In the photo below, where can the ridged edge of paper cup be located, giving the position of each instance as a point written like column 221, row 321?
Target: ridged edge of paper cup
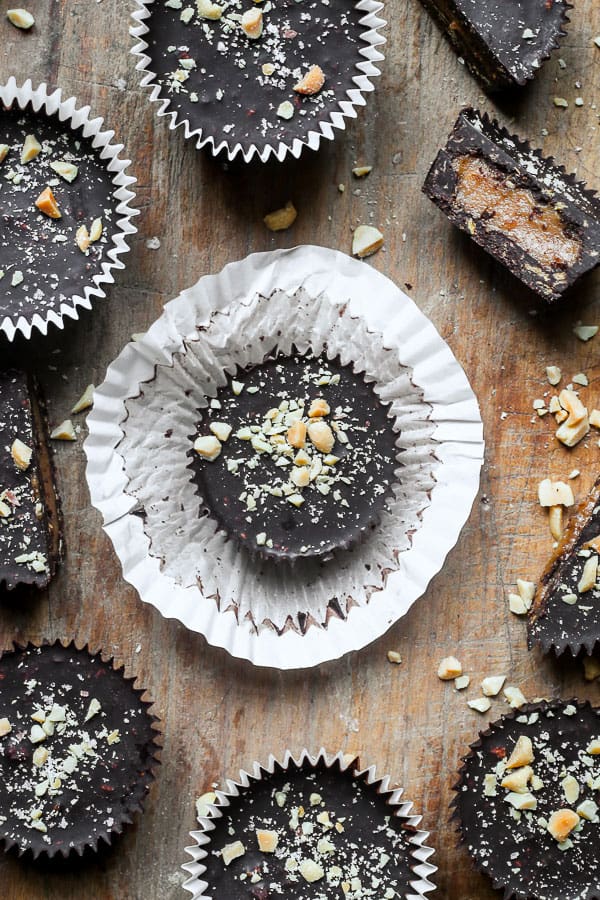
column 122, row 812
column 51, row 103
column 371, row 38
column 347, row 763
column 435, row 371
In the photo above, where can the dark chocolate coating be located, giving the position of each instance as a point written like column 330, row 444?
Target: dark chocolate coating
column 305, row 33
column 34, row 523
column 323, row 523
column 103, row 792
column 526, row 861
column 358, row 848
column 554, row 624
column 489, row 36
column 53, row 272
column 476, row 136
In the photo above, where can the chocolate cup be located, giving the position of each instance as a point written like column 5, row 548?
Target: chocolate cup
column 137, row 751
column 417, row 882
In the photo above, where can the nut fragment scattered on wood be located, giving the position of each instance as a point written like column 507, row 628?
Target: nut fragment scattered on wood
column 555, row 521
column 46, row 203
column 462, row 682
column 312, row 82
column 492, row 685
column 366, row 240
column 4, row 148
column 481, row 705
column 394, row 657
column 514, row 696
column 553, row 374
column 85, row 401
column 283, row 218
column 594, row 418
column 361, row 171
column 555, row 493
column 20, row 18
column 585, row 332
column 64, row 432
column 449, row 668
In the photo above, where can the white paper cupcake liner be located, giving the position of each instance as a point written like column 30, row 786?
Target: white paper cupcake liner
column 371, row 40
column 401, row 809
column 40, row 100
column 177, row 561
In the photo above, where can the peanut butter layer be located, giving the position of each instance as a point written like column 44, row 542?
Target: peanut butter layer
column 485, row 192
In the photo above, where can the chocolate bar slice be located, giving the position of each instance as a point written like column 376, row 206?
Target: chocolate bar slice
column 503, row 42
column 566, row 608
column 520, row 207
column 30, row 519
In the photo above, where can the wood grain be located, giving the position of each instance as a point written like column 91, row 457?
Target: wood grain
column 220, row 714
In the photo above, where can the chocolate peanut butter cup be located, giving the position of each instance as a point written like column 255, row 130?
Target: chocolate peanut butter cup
column 30, row 515
column 296, row 457
column 566, row 612
column 258, row 78
column 77, row 750
column 64, row 210
column 312, row 828
column 526, row 802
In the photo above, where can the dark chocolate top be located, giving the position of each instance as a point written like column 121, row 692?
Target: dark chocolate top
column 249, row 488
column 29, row 518
column 76, row 762
column 41, row 265
column 514, row 847
column 328, row 825
column 475, row 135
column 218, row 79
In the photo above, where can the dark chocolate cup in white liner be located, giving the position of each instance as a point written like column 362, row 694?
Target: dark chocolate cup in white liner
column 349, row 70
column 147, row 409
column 46, row 286
column 402, row 867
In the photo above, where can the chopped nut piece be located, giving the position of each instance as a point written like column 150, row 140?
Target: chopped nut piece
column 65, row 169
column 480, row 705
column 570, row 786
column 366, row 241
column 555, row 520
column 312, row 82
column 232, row 851
column 286, row 110
column 82, row 238
column 20, row 18
column 208, row 10
column 203, row 804
column 555, row 493
column 221, row 430
column 318, row 407
column 394, row 657
column 492, row 685
column 593, row 748
column 581, row 378
column 591, row 668
column 361, row 171
column 4, row 148
column 311, row 871
column 282, row 218
column 585, row 332
column 588, row 810
column 449, row 668
column 267, row 840
column 86, row 400
column 300, row 476
column 21, row 454
column 321, row 436
column 561, row 416
column 208, row 447
column 462, row 682
column 518, row 780
column 296, row 435
column 40, row 756
column 296, row 499
column 570, row 434
column 516, row 605
column 521, row 801
column 522, row 753
column 37, row 734
column 489, row 786
column 47, row 204
column 561, row 823
column 93, row 709
column 553, row 374
column 96, row 230
column 252, row 23
column 5, row 727
column 573, row 405
column 589, row 575
column 31, row 148
column 64, row 432
column 554, row 405
column 526, row 591
column 594, row 418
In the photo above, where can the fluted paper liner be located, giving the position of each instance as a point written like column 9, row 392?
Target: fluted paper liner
column 366, row 69
column 401, row 809
column 140, row 480
column 45, row 102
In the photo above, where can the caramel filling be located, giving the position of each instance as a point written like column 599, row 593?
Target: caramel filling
column 486, row 193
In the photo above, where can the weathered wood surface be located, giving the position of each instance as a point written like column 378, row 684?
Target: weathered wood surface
column 220, row 714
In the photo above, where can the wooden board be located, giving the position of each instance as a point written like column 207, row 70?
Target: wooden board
column 220, row 714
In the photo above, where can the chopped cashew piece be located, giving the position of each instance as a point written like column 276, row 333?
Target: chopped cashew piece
column 232, row 851
column 282, row 218
column 573, row 405
column 449, row 668
column 462, row 682
column 64, row 432
column 20, row 18
column 585, row 332
column 570, row 435
column 394, row 657
column 480, row 705
column 46, row 203
column 522, row 753
column 594, row 418
column 204, row 803
column 85, row 401
column 65, row 169
column 589, row 575
column 21, row 454
column 221, row 430
column 296, row 435
column 518, row 780
column 208, row 10
column 96, row 230
column 366, row 241
column 588, row 810
column 321, row 436
column 31, row 148
column 82, row 238
column 311, row 871
column 517, row 605
column 555, row 521
column 312, row 82
column 492, row 685
column 570, row 786
column 593, row 748
column 4, row 148
column 561, row 823
column 361, row 171
column 267, row 840
column 555, row 493
column 553, row 374
column 526, row 591
column 5, row 727
column 521, row 801
column 252, row 23
column 208, row 447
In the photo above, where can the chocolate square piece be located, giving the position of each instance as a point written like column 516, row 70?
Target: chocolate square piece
column 30, row 534
column 520, row 207
column 503, row 42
